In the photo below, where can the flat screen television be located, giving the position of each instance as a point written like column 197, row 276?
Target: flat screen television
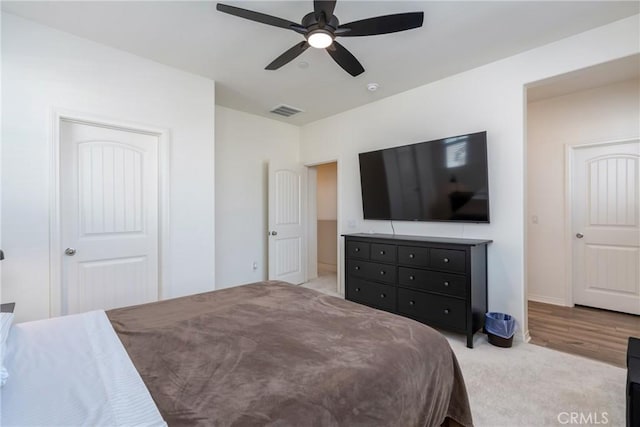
column 441, row 180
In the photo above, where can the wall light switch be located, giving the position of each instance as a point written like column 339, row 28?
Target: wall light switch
column 254, row 265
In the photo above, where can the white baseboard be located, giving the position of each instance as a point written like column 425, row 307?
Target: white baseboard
column 327, row 267
column 547, row 300
column 526, row 337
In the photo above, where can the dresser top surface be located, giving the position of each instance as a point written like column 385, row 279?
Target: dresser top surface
column 406, row 238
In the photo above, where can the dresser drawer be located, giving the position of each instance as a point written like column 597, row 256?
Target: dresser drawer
column 358, row 250
column 371, row 293
column 447, row 259
column 384, row 253
column 410, row 255
column 442, row 311
column 372, row 271
column 433, row 281
column 413, row 278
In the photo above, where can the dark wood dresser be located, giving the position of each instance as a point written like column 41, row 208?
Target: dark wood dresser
column 438, row 281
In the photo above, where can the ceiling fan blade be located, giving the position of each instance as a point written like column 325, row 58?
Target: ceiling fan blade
column 381, row 25
column 320, row 6
column 288, row 56
column 260, row 17
column 345, row 59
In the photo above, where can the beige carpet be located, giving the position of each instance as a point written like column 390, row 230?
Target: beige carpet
column 529, row 385
column 326, row 282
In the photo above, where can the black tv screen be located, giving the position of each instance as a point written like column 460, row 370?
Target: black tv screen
column 441, row 180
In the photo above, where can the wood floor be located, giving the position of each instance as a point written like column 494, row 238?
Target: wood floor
column 589, row 332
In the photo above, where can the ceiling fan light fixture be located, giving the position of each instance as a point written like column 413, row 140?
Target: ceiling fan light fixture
column 320, row 39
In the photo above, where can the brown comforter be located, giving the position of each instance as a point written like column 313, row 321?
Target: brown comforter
column 276, row 354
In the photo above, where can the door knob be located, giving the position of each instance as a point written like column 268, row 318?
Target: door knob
column 70, row 251
column 579, row 235
column 274, row 233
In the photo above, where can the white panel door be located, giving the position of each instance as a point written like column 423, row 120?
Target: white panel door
column 109, row 217
column 606, row 231
column 287, row 242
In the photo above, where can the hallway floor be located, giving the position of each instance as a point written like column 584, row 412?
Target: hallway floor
column 589, row 332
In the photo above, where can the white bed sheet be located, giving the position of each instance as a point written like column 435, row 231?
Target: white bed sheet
column 73, row 371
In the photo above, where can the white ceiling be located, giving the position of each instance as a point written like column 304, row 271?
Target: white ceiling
column 193, row 36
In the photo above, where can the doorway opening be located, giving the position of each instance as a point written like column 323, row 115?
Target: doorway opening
column 323, row 253
column 582, row 210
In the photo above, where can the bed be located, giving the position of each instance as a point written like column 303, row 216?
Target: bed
column 267, row 353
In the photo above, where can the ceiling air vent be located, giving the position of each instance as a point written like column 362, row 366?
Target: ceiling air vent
column 286, row 110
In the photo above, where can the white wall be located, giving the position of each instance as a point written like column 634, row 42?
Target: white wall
column 244, row 145
column 487, row 98
column 605, row 113
column 43, row 68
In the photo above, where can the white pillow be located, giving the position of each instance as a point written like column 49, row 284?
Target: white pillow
column 6, row 319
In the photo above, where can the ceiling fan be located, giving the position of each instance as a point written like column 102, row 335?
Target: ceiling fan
column 321, row 27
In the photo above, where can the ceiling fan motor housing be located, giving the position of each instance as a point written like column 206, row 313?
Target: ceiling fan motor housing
column 312, row 23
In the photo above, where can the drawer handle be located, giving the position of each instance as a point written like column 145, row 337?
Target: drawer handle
column 382, row 272
column 357, row 249
column 357, row 267
column 381, row 252
column 412, row 256
column 412, row 303
column 446, row 284
column 382, row 295
column 446, row 311
column 411, row 278
column 357, row 289
column 446, row 260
